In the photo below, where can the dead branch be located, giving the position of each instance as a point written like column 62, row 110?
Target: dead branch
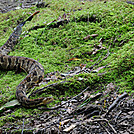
column 50, row 85
column 53, row 24
column 114, row 104
column 100, row 120
column 88, row 36
column 118, row 115
column 59, row 106
column 89, row 110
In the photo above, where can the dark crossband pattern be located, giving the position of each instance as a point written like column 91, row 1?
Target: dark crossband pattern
column 34, row 69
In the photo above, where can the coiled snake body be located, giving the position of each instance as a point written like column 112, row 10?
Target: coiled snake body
column 33, row 68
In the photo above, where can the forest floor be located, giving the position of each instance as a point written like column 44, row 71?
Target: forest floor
column 87, row 51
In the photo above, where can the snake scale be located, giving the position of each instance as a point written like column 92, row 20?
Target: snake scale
column 34, row 69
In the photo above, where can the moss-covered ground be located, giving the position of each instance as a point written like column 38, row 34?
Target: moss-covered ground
column 113, row 21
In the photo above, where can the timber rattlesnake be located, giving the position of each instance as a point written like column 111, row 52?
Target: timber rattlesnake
column 32, row 67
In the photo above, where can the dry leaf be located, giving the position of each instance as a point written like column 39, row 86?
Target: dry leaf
column 73, row 59
column 51, row 22
column 87, row 37
column 70, row 128
column 86, row 94
column 98, row 69
column 65, row 122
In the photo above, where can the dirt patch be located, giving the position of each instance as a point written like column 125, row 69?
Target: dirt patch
column 108, row 115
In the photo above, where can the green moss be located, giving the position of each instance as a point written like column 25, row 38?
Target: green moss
column 53, row 47
column 19, row 131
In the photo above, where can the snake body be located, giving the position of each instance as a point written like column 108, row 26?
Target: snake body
column 34, row 69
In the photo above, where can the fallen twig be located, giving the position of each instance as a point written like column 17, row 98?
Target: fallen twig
column 55, row 24
column 99, row 120
column 88, row 36
column 53, row 108
column 118, row 115
column 22, row 127
column 111, row 107
column 91, row 98
column 70, row 128
column 50, row 85
column 101, row 59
